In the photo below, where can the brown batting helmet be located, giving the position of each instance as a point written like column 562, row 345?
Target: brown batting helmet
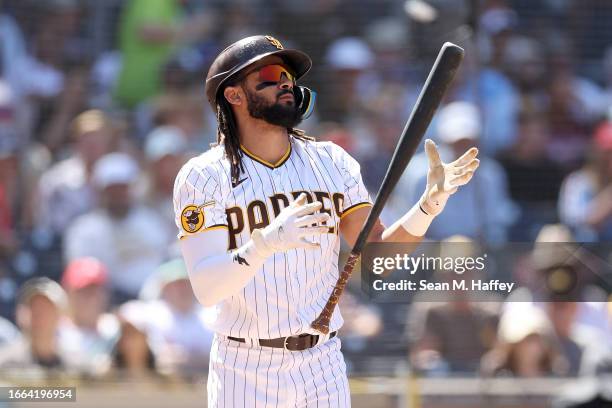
column 245, row 52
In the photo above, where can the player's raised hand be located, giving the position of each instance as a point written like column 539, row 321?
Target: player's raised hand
column 289, row 228
column 443, row 179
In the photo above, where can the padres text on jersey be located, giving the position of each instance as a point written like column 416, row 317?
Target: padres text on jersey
column 292, row 287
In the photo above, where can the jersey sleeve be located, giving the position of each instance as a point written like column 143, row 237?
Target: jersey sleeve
column 198, row 201
column 355, row 193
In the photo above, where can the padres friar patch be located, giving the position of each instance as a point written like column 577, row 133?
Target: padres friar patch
column 274, row 42
column 192, row 217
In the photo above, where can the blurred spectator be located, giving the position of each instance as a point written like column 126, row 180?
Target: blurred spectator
column 369, row 99
column 133, row 357
column 533, row 179
column 454, row 338
column 146, row 39
column 562, row 316
column 14, row 58
column 497, row 98
column 9, row 127
column 104, row 73
column 560, row 270
column 66, row 190
column 552, row 327
column 8, row 331
column 124, row 235
column 184, row 111
column 585, row 201
column 557, row 280
column 361, row 320
column 348, row 61
column 56, row 71
column 451, row 336
column 149, row 31
column 165, row 152
column 9, row 190
column 242, row 18
column 525, row 63
column 524, row 348
column 38, row 74
column 389, row 39
column 178, row 334
column 498, row 24
column 13, row 53
column 40, row 306
column 481, row 210
column 377, row 129
column 571, row 116
column 56, row 113
column 89, row 333
column 179, row 101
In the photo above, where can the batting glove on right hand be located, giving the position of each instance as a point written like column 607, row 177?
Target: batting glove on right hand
column 288, row 229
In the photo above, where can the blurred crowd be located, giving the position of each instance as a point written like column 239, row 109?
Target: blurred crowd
column 101, row 102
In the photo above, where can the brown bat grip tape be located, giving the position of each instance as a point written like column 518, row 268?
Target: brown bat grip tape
column 321, row 323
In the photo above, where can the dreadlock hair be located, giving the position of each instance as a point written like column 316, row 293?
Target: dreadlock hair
column 227, row 135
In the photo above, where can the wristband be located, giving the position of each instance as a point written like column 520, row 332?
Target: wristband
column 416, row 221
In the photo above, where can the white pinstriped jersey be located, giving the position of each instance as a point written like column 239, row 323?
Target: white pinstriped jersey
column 292, row 287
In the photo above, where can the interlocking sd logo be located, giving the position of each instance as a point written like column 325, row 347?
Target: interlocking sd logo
column 274, row 42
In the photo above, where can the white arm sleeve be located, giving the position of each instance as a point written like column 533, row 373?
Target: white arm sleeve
column 214, row 273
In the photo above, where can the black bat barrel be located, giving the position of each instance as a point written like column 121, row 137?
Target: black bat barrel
column 439, row 79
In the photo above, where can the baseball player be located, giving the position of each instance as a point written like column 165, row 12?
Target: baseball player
column 260, row 218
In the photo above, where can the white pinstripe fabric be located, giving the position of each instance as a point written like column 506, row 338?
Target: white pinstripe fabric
column 263, row 377
column 292, row 287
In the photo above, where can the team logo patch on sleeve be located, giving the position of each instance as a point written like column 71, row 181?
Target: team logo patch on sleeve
column 192, row 217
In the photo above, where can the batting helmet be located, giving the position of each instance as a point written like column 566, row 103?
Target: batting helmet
column 248, row 51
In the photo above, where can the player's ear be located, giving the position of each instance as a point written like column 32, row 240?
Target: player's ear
column 233, row 95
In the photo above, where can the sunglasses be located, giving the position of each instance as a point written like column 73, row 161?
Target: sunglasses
column 272, row 74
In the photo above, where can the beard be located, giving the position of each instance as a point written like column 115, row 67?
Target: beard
column 279, row 113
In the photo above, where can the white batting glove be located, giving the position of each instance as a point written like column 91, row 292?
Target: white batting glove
column 443, row 180
column 288, row 229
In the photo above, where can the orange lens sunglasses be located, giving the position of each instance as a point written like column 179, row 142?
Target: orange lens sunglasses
column 274, row 74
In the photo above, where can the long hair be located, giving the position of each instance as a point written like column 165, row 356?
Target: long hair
column 227, row 135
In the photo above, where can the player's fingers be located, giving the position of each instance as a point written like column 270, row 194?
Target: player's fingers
column 313, row 230
column 466, row 157
column 461, row 180
column 301, row 200
column 471, row 166
column 304, row 243
column 432, row 154
column 308, row 208
column 311, row 219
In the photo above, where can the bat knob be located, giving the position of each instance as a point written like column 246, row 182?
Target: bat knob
column 321, row 324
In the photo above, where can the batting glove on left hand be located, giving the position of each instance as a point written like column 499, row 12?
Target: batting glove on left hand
column 443, row 179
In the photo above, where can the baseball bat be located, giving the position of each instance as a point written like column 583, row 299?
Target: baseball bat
column 438, row 81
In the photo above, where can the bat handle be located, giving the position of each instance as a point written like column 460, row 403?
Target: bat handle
column 321, row 323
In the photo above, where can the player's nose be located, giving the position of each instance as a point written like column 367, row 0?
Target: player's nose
column 285, row 83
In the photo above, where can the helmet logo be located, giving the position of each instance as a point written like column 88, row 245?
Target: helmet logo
column 274, row 42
